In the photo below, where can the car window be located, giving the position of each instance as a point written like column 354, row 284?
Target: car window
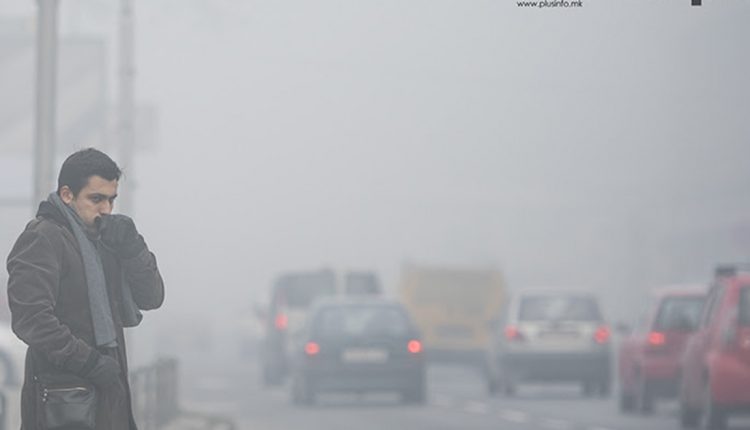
column 713, row 302
column 302, row 295
column 679, row 313
column 362, row 321
column 744, row 314
column 362, row 283
column 567, row 308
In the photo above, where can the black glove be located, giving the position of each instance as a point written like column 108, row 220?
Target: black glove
column 118, row 232
column 105, row 372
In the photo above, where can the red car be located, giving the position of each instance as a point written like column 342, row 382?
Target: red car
column 649, row 358
column 716, row 366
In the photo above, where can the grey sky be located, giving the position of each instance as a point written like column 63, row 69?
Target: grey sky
column 368, row 132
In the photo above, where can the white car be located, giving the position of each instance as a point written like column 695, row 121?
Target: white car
column 551, row 336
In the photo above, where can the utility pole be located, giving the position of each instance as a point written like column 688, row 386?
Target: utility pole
column 125, row 122
column 46, row 76
column 126, row 105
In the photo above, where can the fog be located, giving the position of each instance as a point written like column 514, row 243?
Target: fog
column 602, row 147
column 568, row 147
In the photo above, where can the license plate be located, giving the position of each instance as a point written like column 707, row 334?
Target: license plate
column 553, row 335
column 364, row 355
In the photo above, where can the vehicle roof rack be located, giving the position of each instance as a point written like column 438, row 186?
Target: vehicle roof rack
column 727, row 270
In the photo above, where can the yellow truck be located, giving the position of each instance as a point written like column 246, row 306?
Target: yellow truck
column 456, row 309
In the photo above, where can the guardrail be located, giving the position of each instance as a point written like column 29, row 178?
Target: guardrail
column 154, row 394
column 155, row 399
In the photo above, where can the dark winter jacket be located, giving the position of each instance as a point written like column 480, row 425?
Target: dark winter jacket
column 49, row 304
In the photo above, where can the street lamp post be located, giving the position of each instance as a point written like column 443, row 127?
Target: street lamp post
column 126, row 103
column 46, row 75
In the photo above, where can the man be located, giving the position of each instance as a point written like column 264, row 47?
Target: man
column 77, row 275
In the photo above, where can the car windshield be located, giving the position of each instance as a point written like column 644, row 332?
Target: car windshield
column 301, row 295
column 679, row 313
column 559, row 308
column 744, row 314
column 362, row 321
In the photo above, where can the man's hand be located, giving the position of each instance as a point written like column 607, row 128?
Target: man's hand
column 119, row 233
column 105, row 372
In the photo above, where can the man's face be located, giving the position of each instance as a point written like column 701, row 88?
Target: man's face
column 96, row 198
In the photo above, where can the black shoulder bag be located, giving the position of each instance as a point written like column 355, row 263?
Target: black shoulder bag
column 65, row 402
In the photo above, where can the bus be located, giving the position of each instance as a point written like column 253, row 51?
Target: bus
column 456, row 310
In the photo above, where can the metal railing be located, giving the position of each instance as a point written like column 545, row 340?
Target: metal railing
column 155, row 400
column 154, row 397
column 154, row 394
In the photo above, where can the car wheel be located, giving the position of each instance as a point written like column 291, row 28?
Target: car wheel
column 644, row 396
column 605, row 388
column 587, row 388
column 689, row 417
column 302, row 391
column 493, row 386
column 627, row 402
column 415, row 395
column 713, row 417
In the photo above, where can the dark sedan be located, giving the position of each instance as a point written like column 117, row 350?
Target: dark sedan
column 359, row 346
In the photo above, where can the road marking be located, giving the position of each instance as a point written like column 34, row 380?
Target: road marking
column 514, row 416
column 555, row 424
column 474, row 407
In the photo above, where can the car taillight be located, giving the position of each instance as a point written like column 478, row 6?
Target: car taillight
column 513, row 334
column 312, row 349
column 414, row 346
column 656, row 339
column 601, row 335
column 281, row 322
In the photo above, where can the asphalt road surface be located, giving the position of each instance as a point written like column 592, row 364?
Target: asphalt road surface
column 457, row 400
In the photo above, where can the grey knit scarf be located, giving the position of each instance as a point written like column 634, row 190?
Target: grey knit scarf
column 101, row 312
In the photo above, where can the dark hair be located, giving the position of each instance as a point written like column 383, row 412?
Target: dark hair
column 81, row 165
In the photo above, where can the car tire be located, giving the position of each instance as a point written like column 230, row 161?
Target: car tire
column 587, row 388
column 303, row 393
column 415, row 395
column 644, row 396
column 493, row 386
column 605, row 388
column 712, row 416
column 626, row 402
column 689, row 417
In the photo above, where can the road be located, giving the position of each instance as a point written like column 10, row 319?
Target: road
column 457, row 400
